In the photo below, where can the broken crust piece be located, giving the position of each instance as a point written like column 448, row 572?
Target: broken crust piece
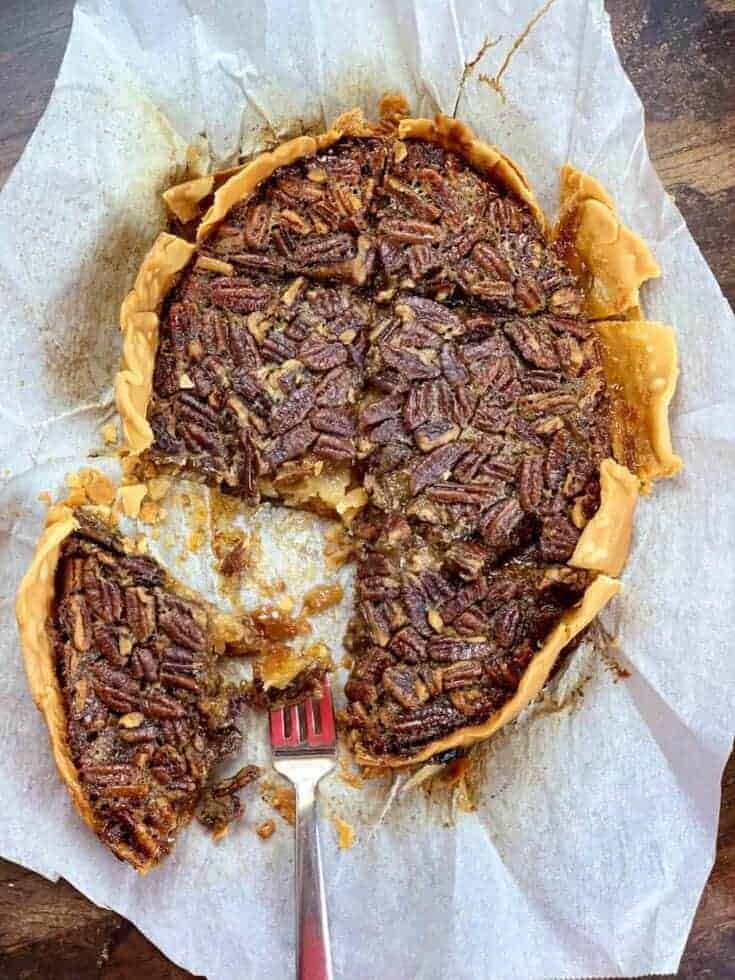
column 531, row 684
column 641, row 366
column 610, row 260
column 109, row 715
column 183, row 200
column 139, row 326
column 605, row 542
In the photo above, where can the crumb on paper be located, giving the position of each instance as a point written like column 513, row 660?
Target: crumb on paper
column 141, row 544
column 45, row 498
column 109, row 433
column 281, row 798
column 286, row 604
column 158, row 487
column 345, row 833
column 376, row 772
column 131, row 498
column 195, row 540
column 266, row 829
column 235, row 557
column 89, row 486
column 321, row 598
column 197, row 521
column 151, row 512
column 348, row 773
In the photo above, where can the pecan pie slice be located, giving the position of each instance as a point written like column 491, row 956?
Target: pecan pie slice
column 121, row 661
column 378, row 321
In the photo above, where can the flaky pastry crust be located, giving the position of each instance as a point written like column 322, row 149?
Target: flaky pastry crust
column 611, row 261
column 533, row 680
column 33, row 609
column 139, row 326
column 183, row 200
column 641, row 366
column 604, row 543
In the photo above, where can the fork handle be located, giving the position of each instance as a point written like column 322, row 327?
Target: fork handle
column 313, row 955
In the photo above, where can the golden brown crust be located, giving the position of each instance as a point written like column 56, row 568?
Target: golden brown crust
column 246, row 181
column 533, row 680
column 33, row 607
column 459, row 138
column 139, row 326
column 183, row 200
column 641, row 366
column 609, row 259
column 604, row 544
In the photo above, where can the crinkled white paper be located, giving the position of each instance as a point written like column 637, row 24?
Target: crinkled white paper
column 597, row 812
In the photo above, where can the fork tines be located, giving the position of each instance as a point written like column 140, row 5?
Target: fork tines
column 309, row 724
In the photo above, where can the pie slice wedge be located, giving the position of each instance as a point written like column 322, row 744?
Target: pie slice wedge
column 121, row 660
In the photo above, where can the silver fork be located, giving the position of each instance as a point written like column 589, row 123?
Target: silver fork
column 304, row 750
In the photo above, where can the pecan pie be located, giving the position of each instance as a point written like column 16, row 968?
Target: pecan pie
column 378, row 322
column 122, row 663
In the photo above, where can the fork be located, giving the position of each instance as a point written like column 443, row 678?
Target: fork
column 304, row 750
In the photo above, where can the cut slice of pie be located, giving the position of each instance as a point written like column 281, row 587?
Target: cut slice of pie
column 121, row 662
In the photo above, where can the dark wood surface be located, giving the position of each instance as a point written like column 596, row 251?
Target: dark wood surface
column 680, row 55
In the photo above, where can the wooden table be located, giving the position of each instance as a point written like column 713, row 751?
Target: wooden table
column 681, row 57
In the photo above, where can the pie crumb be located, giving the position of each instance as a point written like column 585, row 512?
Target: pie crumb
column 349, row 775
column 131, row 498
column 90, row 486
column 281, row 798
column 266, row 829
column 150, row 512
column 158, row 487
column 109, row 433
column 45, row 498
column 345, row 833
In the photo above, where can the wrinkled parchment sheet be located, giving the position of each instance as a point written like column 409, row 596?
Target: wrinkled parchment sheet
column 597, row 812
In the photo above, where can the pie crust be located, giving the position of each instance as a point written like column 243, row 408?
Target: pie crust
column 139, row 327
column 611, row 261
column 33, row 610
column 605, row 542
column 641, row 366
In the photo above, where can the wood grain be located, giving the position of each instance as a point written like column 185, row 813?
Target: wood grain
column 679, row 54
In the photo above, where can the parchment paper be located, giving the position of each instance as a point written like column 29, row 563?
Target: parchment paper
column 597, row 812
